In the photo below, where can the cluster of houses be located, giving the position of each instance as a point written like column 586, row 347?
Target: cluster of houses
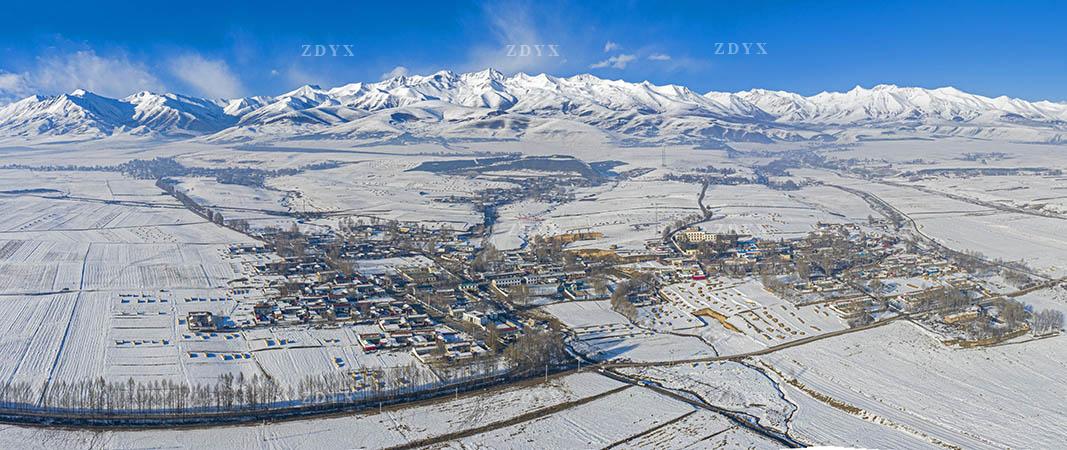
column 429, row 341
column 378, row 304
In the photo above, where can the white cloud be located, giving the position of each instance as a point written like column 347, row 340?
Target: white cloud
column 297, row 75
column 615, row 62
column 11, row 82
column 659, row 57
column 511, row 26
column 397, row 71
column 113, row 76
column 211, row 77
column 609, row 46
column 13, row 86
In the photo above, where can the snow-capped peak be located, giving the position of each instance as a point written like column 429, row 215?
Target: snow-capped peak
column 490, row 102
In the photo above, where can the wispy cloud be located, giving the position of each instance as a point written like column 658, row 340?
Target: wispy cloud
column 298, row 75
column 609, row 46
column 659, row 57
column 111, row 75
column 512, row 26
column 397, row 71
column 614, row 62
column 210, row 77
column 13, row 86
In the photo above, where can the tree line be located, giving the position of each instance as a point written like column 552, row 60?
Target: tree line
column 235, row 393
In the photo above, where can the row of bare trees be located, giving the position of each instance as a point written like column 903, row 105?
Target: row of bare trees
column 1047, row 321
column 536, row 348
column 231, row 393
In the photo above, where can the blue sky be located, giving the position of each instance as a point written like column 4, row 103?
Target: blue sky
column 227, row 49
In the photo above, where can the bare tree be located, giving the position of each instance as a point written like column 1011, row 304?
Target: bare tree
column 1047, row 321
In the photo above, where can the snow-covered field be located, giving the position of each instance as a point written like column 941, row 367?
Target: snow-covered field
column 701, row 429
column 384, row 187
column 259, row 206
column 598, row 424
column 94, row 269
column 769, row 214
column 729, row 385
column 1037, row 192
column 628, row 212
column 98, row 273
column 97, row 270
column 606, row 335
column 755, row 318
column 518, row 222
column 630, row 413
column 906, row 382
column 963, row 225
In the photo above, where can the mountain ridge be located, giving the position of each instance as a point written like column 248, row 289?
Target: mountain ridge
column 491, row 105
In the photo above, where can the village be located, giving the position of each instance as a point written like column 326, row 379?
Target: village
column 447, row 299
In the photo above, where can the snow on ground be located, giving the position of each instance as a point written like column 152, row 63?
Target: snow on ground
column 96, row 271
column 291, row 354
column 947, row 152
column 668, row 317
column 1038, row 241
column 728, row 385
column 516, row 221
column 384, row 187
column 585, row 314
column 906, row 381
column 754, row 318
column 1053, row 298
column 1038, row 192
column 368, row 430
column 604, row 334
column 818, row 423
column 833, row 201
column 701, row 429
column 962, row 225
column 390, row 265
column 233, row 201
column 597, row 424
column 768, row 214
column 100, row 273
column 628, row 212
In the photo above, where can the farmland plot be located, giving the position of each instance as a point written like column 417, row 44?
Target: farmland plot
column 95, row 282
column 597, row 424
column 517, row 222
column 606, row 335
column 901, row 378
column 368, row 430
column 1040, row 193
column 701, row 429
column 384, row 188
column 962, row 226
column 744, row 317
column 34, row 331
column 819, row 423
column 628, row 212
column 728, row 385
column 770, row 214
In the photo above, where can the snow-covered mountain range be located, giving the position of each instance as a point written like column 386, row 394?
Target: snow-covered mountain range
column 491, row 105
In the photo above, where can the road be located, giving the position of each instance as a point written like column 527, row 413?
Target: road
column 878, row 204
column 741, row 419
